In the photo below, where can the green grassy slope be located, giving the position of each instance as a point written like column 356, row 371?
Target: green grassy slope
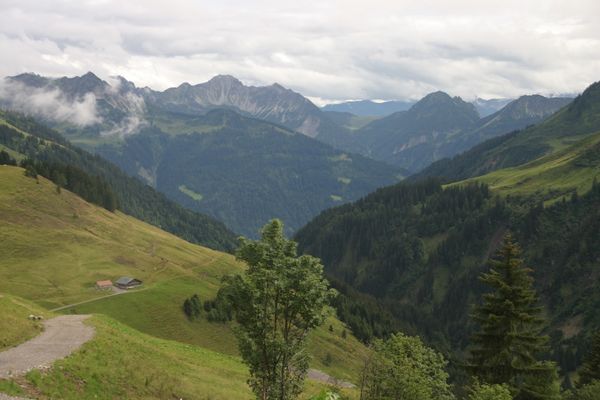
column 120, row 362
column 15, row 327
column 55, row 246
column 568, row 169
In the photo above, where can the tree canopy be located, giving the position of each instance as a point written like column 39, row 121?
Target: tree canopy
column 278, row 300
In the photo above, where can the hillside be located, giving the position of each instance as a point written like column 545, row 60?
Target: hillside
column 245, row 171
column 576, row 121
column 120, row 362
column 518, row 114
column 549, row 178
column 417, row 250
column 82, row 243
column 26, row 139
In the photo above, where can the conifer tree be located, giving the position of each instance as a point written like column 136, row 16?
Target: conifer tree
column 590, row 370
column 509, row 339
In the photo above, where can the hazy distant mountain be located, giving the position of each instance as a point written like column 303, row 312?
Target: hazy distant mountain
column 410, row 139
column 87, row 109
column 242, row 154
column 518, row 114
column 440, row 126
column 369, row 107
column 486, row 107
column 526, row 110
column 579, row 118
column 93, row 106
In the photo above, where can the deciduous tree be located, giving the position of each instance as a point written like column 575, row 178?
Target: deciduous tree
column 278, row 300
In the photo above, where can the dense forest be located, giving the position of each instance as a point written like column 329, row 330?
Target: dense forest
column 49, row 151
column 415, row 251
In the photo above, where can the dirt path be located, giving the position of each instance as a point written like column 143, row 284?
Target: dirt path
column 7, row 397
column 116, row 292
column 62, row 336
column 321, row 376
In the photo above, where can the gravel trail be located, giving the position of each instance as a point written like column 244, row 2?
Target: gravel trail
column 320, row 376
column 62, row 336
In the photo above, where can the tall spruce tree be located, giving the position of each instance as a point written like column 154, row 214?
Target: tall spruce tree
column 509, row 340
column 590, row 370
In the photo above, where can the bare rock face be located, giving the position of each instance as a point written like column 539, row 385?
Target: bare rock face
column 272, row 103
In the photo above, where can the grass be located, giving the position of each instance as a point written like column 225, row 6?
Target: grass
column 15, row 327
column 189, row 192
column 55, row 246
column 157, row 311
column 122, row 363
column 550, row 177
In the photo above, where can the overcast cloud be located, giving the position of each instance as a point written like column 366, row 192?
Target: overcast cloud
column 331, row 50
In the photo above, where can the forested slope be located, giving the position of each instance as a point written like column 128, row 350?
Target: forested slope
column 417, row 250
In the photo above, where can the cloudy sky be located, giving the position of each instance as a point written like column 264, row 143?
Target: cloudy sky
column 327, row 50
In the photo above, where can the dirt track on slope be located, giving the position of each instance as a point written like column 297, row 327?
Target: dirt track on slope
column 61, row 337
column 321, row 376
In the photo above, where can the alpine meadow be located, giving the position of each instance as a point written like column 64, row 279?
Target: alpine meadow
column 330, row 200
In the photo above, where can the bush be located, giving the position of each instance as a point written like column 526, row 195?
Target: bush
column 490, row 392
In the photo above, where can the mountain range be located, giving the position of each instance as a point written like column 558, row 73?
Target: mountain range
column 170, row 139
column 440, row 126
column 404, row 256
column 369, row 108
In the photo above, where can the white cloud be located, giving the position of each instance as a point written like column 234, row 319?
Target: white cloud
column 332, row 50
column 49, row 104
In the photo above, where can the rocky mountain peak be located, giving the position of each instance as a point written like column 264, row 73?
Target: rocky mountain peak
column 224, row 81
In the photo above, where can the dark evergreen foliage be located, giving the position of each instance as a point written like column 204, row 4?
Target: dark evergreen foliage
column 456, row 229
column 509, row 340
column 219, row 309
column 192, row 307
column 91, row 188
column 6, row 159
column 590, row 370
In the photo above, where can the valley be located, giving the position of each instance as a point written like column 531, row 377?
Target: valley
column 82, row 243
column 391, row 201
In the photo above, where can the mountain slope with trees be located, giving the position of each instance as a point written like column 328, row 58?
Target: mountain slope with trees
column 245, row 171
column 47, row 150
column 416, row 249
